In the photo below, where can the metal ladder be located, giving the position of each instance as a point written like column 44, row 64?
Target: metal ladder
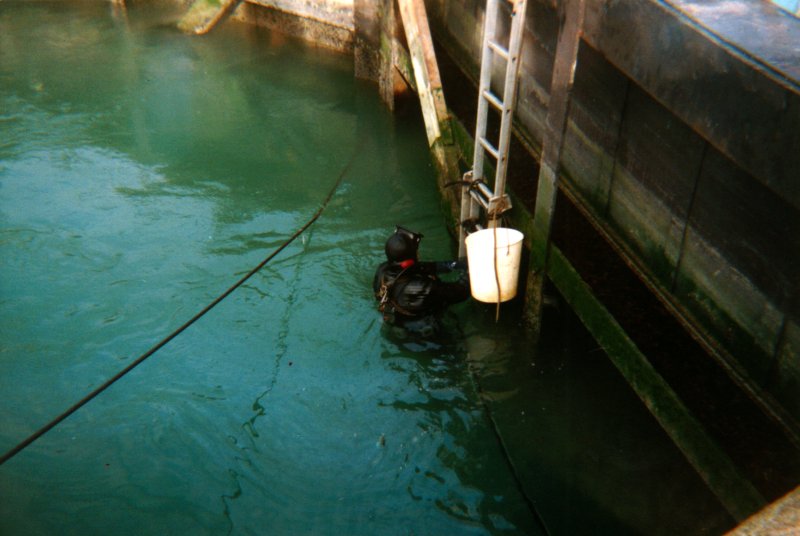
column 476, row 194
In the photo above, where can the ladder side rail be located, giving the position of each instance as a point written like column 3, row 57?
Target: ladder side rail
column 484, row 84
column 509, row 94
column 498, row 49
column 470, row 209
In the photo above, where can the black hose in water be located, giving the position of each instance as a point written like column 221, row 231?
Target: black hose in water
column 75, row 407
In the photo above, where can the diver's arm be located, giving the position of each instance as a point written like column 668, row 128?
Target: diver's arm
column 442, row 267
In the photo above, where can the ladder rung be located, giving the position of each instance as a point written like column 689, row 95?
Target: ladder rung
column 480, row 199
column 499, row 49
column 485, row 197
column 490, row 148
column 485, row 190
column 493, row 99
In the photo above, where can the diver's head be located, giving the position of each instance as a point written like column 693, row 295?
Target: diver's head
column 402, row 245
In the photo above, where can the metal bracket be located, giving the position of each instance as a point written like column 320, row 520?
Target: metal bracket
column 493, row 204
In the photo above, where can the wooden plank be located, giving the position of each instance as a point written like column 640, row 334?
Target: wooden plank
column 426, row 71
column 557, row 113
column 735, row 96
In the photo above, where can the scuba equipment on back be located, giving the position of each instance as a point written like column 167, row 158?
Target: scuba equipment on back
column 402, row 290
column 410, row 293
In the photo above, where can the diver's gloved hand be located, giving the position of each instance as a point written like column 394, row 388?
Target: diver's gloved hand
column 452, row 266
column 459, row 265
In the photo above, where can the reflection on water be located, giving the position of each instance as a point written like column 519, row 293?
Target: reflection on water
column 442, row 397
column 141, row 173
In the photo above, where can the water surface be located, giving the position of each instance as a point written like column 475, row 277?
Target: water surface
column 142, row 172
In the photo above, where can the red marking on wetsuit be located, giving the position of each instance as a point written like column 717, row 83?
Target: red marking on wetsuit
column 407, row 263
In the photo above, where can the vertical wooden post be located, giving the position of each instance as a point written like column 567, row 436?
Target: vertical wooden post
column 557, row 114
column 386, row 52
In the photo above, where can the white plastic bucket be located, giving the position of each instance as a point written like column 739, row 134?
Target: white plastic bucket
column 481, row 258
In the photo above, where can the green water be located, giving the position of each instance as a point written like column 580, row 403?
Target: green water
column 142, row 172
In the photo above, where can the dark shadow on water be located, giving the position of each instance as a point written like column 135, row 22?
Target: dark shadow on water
column 442, row 337
column 448, row 399
column 550, row 428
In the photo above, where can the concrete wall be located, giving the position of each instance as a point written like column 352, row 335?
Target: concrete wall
column 683, row 147
column 329, row 24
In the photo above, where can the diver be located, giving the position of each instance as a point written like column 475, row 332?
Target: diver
column 410, row 293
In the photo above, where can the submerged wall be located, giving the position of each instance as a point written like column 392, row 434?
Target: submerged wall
column 683, row 149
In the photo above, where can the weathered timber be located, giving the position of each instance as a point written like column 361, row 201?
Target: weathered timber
column 706, row 68
column 557, row 113
column 426, row 71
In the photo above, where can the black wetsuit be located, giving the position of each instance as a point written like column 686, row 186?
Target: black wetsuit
column 411, row 295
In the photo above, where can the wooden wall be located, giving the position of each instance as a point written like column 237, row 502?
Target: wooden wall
column 685, row 151
column 683, row 148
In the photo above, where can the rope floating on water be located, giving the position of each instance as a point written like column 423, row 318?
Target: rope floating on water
column 75, row 407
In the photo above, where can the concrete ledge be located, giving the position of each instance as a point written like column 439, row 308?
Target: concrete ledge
column 779, row 518
column 326, row 24
column 333, row 12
